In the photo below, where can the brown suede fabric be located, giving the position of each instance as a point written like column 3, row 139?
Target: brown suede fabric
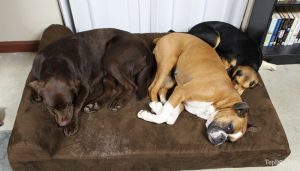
column 120, row 141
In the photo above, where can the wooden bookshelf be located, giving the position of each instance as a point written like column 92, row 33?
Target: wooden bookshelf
column 258, row 27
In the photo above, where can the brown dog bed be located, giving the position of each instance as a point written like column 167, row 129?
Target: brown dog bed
column 120, row 141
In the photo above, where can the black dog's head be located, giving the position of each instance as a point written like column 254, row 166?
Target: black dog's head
column 243, row 77
column 58, row 96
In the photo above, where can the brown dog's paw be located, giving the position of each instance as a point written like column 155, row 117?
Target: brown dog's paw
column 71, row 129
column 115, row 106
column 91, row 108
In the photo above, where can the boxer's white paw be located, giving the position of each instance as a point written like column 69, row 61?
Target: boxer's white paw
column 163, row 99
column 171, row 120
column 155, row 106
column 141, row 113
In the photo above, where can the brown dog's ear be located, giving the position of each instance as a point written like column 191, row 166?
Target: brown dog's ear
column 37, row 85
column 241, row 108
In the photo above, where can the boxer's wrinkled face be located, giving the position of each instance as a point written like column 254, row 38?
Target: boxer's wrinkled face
column 243, row 77
column 58, row 97
column 228, row 124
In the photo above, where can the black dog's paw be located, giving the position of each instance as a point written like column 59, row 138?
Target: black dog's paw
column 71, row 129
column 36, row 99
column 115, row 106
column 91, row 108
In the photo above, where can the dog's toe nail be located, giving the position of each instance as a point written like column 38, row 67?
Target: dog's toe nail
column 96, row 106
column 86, row 109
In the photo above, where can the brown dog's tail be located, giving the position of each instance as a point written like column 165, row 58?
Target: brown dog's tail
column 145, row 77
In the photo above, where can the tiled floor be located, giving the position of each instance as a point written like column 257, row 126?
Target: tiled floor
column 283, row 86
column 14, row 68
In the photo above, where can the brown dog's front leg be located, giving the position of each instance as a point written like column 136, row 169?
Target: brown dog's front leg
column 73, row 126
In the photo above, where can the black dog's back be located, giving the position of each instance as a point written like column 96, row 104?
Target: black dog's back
column 234, row 43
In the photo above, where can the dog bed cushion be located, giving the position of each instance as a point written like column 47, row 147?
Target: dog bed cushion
column 121, row 141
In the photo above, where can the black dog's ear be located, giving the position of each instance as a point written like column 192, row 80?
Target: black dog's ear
column 241, row 108
column 232, row 71
column 236, row 72
column 37, row 85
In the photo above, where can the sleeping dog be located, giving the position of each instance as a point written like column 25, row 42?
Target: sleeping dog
column 128, row 66
column 241, row 56
column 65, row 71
column 203, row 88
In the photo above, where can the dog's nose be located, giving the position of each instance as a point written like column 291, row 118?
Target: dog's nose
column 216, row 135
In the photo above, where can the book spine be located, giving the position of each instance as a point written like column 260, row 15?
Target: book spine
column 294, row 27
column 287, row 34
column 297, row 37
column 297, row 30
column 270, row 31
column 285, row 38
column 275, row 32
column 279, row 29
column 286, row 29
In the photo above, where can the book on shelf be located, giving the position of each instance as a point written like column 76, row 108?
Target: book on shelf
column 296, row 25
column 290, row 19
column 277, row 28
column 284, row 28
column 271, row 30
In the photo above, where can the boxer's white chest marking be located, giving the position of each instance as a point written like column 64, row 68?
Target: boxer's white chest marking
column 203, row 110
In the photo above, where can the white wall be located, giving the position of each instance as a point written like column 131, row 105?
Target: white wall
column 154, row 15
column 22, row 20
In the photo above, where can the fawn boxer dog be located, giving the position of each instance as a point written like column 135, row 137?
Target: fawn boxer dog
column 203, row 88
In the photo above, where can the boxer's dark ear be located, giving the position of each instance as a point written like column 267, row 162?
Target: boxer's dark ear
column 241, row 109
column 37, row 85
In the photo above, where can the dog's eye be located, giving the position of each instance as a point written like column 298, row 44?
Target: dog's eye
column 239, row 73
column 229, row 129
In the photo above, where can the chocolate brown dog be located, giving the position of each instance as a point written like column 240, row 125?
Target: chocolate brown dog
column 128, row 66
column 66, row 70
column 203, row 88
column 240, row 55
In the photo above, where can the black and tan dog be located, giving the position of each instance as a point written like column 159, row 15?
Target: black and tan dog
column 65, row 71
column 241, row 56
column 203, row 88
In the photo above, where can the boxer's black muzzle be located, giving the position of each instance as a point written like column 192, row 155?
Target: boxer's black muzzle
column 216, row 134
